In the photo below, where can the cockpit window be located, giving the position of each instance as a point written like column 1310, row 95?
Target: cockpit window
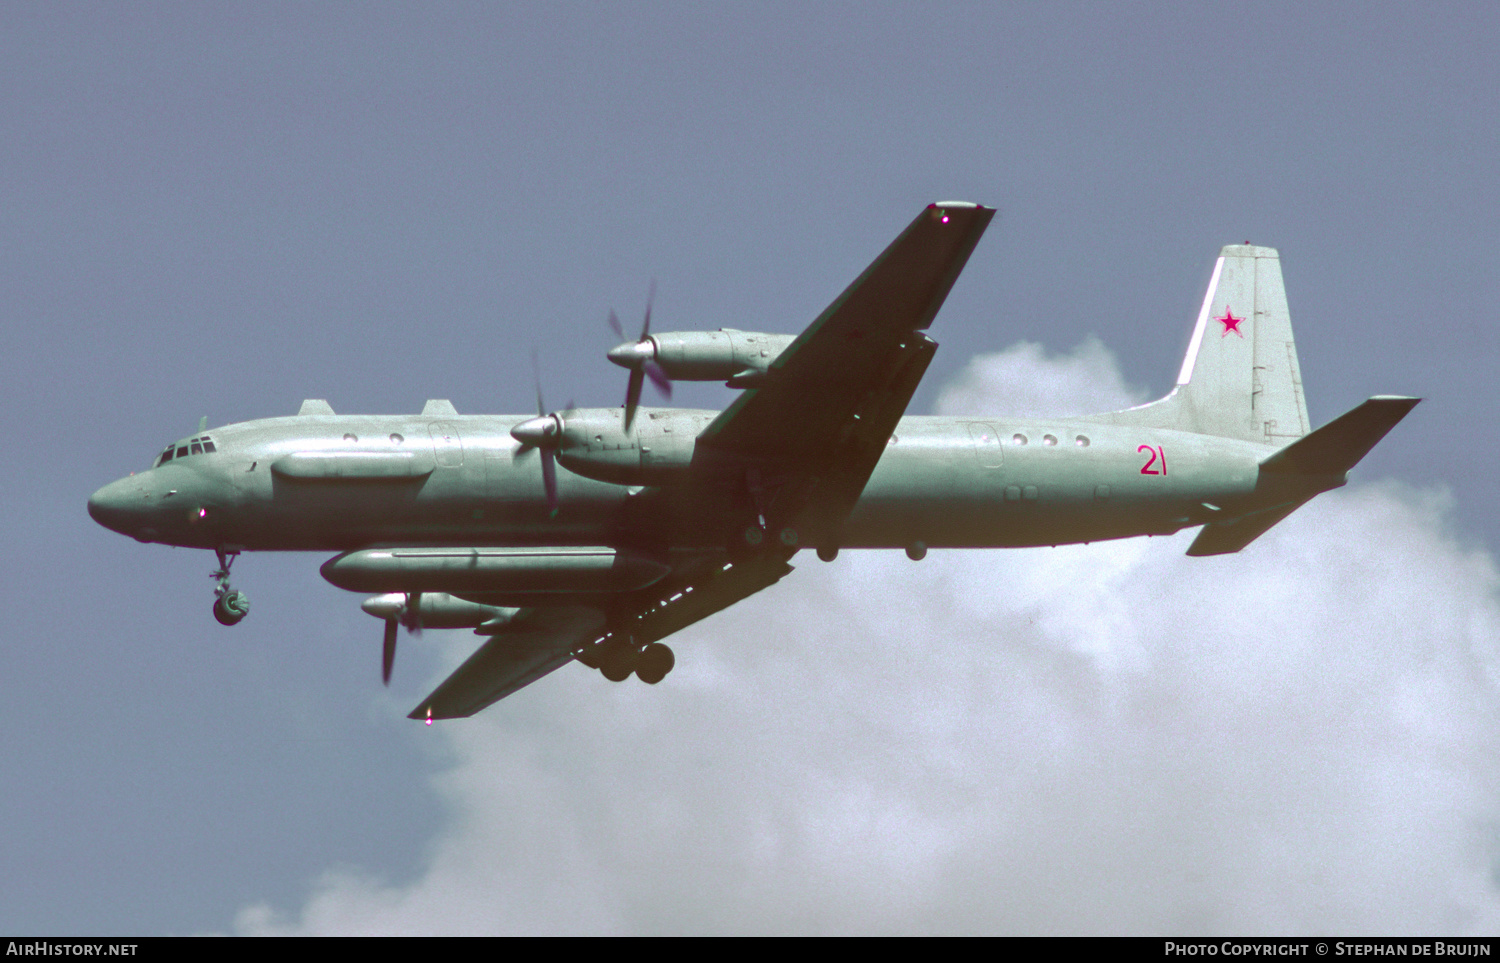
column 201, row 445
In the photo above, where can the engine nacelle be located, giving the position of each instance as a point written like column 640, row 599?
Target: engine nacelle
column 658, row 450
column 739, row 358
column 439, row 610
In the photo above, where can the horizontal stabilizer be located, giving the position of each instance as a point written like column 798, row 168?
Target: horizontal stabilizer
column 1339, row 445
column 1221, row 538
column 1313, row 463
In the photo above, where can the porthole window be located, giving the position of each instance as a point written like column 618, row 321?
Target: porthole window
column 350, row 436
column 1081, row 441
column 892, row 441
column 1018, row 439
column 1049, row 440
column 396, row 438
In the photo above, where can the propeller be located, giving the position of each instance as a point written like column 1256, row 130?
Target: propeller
column 640, row 357
column 407, row 611
column 543, row 434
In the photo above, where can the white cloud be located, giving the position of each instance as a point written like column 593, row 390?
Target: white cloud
column 1115, row 738
column 1024, row 382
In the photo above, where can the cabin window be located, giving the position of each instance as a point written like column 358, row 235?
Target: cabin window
column 1049, row 440
column 166, row 456
column 350, row 436
column 1081, row 441
column 182, row 452
column 196, row 448
column 396, row 438
column 208, row 446
column 1018, row 439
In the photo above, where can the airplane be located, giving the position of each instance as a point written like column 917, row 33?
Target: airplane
column 592, row 534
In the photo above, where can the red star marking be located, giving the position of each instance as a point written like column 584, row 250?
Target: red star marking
column 1230, row 323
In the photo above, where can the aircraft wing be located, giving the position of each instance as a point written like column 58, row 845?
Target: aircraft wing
column 542, row 640
column 545, row 639
column 812, row 431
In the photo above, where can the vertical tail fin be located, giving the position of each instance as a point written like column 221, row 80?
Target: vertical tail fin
column 1240, row 378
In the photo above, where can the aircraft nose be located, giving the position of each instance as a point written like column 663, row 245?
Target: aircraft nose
column 117, row 506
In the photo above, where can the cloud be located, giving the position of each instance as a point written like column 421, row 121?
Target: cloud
column 1024, row 382
column 1302, row 738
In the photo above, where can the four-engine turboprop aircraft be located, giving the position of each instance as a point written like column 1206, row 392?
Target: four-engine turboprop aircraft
column 661, row 517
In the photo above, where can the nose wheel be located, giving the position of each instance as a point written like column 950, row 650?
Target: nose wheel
column 230, row 604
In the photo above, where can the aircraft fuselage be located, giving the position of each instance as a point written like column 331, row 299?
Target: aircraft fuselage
column 344, row 482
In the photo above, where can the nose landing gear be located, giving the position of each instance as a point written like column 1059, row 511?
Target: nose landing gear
column 230, row 604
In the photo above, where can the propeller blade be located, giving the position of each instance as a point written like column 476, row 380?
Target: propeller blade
column 549, row 480
column 536, row 374
column 615, row 326
column 640, row 357
column 388, row 651
column 633, row 395
column 550, row 432
column 659, row 378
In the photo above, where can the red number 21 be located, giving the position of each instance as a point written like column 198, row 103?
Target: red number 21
column 1155, row 453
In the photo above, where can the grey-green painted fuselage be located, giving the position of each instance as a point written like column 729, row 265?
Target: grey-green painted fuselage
column 941, row 482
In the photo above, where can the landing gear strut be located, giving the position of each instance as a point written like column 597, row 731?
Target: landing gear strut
column 230, row 604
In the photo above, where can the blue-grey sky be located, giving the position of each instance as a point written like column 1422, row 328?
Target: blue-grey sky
column 223, row 209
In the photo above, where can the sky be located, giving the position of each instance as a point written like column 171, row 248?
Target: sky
column 218, row 210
